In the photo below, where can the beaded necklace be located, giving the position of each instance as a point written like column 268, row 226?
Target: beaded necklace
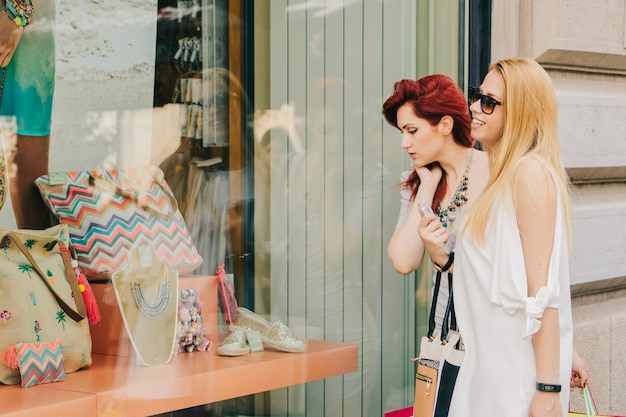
column 156, row 308
column 447, row 216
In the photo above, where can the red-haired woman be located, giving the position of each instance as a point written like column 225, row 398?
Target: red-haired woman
column 448, row 172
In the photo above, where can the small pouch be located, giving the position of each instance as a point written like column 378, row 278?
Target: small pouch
column 40, row 363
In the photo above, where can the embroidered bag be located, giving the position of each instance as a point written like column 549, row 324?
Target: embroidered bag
column 109, row 212
column 40, row 299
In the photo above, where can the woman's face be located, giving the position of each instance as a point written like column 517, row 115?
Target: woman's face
column 422, row 141
column 487, row 128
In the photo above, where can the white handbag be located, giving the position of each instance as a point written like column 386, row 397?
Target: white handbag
column 441, row 354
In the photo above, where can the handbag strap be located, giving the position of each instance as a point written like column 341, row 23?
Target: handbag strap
column 80, row 313
column 433, row 306
column 132, row 196
column 449, row 317
column 453, row 325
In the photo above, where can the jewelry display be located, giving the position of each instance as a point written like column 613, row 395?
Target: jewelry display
column 146, row 290
column 190, row 330
column 156, row 308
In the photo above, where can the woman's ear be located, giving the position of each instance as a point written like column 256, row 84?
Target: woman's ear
column 445, row 125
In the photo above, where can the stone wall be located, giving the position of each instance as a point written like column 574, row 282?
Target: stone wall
column 600, row 331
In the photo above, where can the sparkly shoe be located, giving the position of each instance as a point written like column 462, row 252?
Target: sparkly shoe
column 277, row 336
column 235, row 344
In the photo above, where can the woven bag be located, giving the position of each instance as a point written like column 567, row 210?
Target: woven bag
column 40, row 298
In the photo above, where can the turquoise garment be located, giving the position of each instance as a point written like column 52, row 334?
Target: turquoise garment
column 29, row 83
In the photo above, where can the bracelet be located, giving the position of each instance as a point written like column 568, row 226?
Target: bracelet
column 548, row 387
column 447, row 265
column 19, row 12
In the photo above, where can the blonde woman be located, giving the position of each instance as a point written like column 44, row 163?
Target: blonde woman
column 511, row 268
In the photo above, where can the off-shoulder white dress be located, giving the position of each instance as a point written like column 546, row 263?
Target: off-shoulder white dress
column 497, row 318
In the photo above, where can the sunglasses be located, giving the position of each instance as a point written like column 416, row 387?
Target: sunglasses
column 487, row 104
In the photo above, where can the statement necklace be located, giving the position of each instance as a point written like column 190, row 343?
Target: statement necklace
column 152, row 309
column 447, row 216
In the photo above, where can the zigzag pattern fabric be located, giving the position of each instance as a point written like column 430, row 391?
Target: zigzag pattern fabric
column 40, row 363
column 110, row 212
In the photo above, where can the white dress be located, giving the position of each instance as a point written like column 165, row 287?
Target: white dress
column 497, row 318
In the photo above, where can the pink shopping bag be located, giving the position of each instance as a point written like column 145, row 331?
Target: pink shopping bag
column 405, row 412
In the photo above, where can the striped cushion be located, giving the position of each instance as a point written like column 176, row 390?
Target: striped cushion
column 109, row 212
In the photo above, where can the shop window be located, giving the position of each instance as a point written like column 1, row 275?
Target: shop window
column 198, row 88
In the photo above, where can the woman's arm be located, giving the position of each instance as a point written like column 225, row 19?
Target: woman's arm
column 10, row 35
column 535, row 199
column 406, row 248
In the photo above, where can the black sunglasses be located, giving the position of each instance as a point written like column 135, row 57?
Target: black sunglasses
column 487, row 104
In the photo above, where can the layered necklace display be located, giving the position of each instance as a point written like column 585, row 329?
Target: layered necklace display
column 447, row 216
column 156, row 308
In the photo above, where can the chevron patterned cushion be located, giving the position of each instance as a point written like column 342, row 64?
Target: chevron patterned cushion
column 108, row 212
column 40, row 363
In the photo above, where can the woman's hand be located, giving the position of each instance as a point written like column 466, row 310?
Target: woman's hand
column 429, row 176
column 10, row 36
column 434, row 236
column 580, row 372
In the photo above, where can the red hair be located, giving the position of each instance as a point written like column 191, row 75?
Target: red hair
column 431, row 98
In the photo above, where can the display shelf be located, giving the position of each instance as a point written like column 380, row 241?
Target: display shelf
column 38, row 401
column 116, row 386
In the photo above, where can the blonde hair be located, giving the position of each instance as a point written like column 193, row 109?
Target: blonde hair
column 530, row 130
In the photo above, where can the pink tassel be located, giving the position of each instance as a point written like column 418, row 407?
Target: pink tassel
column 93, row 311
column 221, row 275
column 9, row 357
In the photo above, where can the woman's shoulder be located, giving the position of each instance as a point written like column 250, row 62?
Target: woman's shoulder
column 534, row 181
column 533, row 168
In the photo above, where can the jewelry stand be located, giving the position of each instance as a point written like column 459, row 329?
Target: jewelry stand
column 147, row 295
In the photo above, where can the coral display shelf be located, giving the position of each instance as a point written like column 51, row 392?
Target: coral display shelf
column 115, row 386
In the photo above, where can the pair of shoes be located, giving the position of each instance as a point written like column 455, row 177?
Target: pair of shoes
column 235, row 344
column 277, row 336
